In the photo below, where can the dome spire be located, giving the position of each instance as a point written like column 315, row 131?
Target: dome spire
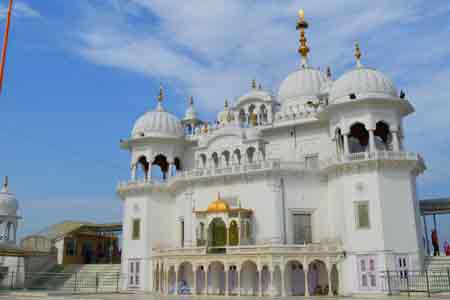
column 191, row 101
column 160, row 98
column 253, row 84
column 303, row 49
column 5, row 184
column 358, row 55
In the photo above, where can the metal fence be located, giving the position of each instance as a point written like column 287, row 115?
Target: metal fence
column 429, row 281
column 81, row 282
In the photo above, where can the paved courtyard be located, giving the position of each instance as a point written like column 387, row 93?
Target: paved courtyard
column 151, row 297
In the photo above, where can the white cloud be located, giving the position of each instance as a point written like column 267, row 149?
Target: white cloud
column 212, row 49
column 21, row 10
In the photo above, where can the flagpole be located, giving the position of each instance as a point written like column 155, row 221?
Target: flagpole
column 5, row 44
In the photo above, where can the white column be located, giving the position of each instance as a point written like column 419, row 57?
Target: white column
column 270, row 284
column 306, row 281
column 346, row 148
column 372, row 147
column 330, row 291
column 206, row 279
column 260, row 280
column 283, row 289
column 226, row 280
column 395, row 141
column 176, row 280
column 133, row 171
column 238, row 272
column 195, row 280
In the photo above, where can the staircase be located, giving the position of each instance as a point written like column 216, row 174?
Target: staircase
column 79, row 278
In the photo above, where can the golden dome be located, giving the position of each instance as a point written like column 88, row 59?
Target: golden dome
column 218, row 205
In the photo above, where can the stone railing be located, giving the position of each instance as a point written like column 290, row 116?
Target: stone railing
column 368, row 156
column 198, row 173
column 252, row 250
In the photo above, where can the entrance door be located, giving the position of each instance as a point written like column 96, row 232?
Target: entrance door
column 134, row 274
column 367, row 272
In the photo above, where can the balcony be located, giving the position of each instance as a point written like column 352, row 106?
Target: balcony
column 364, row 157
column 256, row 167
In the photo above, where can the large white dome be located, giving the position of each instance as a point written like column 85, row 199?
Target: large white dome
column 8, row 204
column 158, row 123
column 363, row 82
column 303, row 84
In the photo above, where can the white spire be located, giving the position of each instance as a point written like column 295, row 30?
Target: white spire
column 5, row 184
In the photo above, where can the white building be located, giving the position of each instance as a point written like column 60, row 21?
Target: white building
column 312, row 187
column 11, row 256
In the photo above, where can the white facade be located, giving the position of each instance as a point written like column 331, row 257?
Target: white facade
column 315, row 180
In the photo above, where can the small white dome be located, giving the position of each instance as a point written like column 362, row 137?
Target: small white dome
column 158, row 123
column 302, row 85
column 363, row 82
column 8, row 204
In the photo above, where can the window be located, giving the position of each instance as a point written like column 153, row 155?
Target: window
column 312, row 161
column 402, row 266
column 136, row 230
column 182, row 232
column 134, row 274
column 362, row 215
column 367, row 272
column 302, row 228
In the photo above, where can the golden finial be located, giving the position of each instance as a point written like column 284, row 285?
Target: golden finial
column 161, row 93
column 303, row 49
column 253, row 84
column 358, row 54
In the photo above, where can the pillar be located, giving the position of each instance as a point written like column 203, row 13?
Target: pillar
column 195, row 279
column 176, row 280
column 346, row 149
column 306, row 281
column 270, row 284
column 283, row 288
column 206, row 279
column 171, row 169
column 133, row 171
column 226, row 280
column 329, row 268
column 395, row 141
column 372, row 147
column 260, row 280
column 238, row 272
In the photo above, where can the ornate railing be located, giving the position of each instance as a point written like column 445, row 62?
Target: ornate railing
column 366, row 156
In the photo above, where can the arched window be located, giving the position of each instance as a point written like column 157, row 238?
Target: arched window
column 203, row 160
column 358, row 139
column 263, row 114
column 252, row 115
column 161, row 162
column 237, row 156
column 143, row 167
column 226, row 158
column 233, row 234
column 383, row 136
column 251, row 154
column 215, row 159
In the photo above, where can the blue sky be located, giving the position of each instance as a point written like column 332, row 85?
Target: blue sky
column 80, row 72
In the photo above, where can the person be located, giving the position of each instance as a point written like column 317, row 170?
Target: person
column 435, row 242
column 447, row 248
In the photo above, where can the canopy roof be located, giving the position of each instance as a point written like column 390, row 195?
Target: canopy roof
column 435, row 206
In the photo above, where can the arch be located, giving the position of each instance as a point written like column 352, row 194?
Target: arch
column 226, row 158
column 185, row 278
column 294, row 278
column 263, row 114
column 383, row 136
column 334, row 280
column 161, row 162
column 233, row 234
column 217, row 233
column 215, row 159
column 143, row 167
column 358, row 139
column 249, row 278
column 216, row 278
column 318, row 278
column 251, row 154
column 265, row 280
column 237, row 156
column 233, row 280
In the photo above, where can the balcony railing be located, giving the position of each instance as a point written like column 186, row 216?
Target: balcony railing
column 366, row 156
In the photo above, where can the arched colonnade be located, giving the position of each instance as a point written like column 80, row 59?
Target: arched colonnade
column 293, row 278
